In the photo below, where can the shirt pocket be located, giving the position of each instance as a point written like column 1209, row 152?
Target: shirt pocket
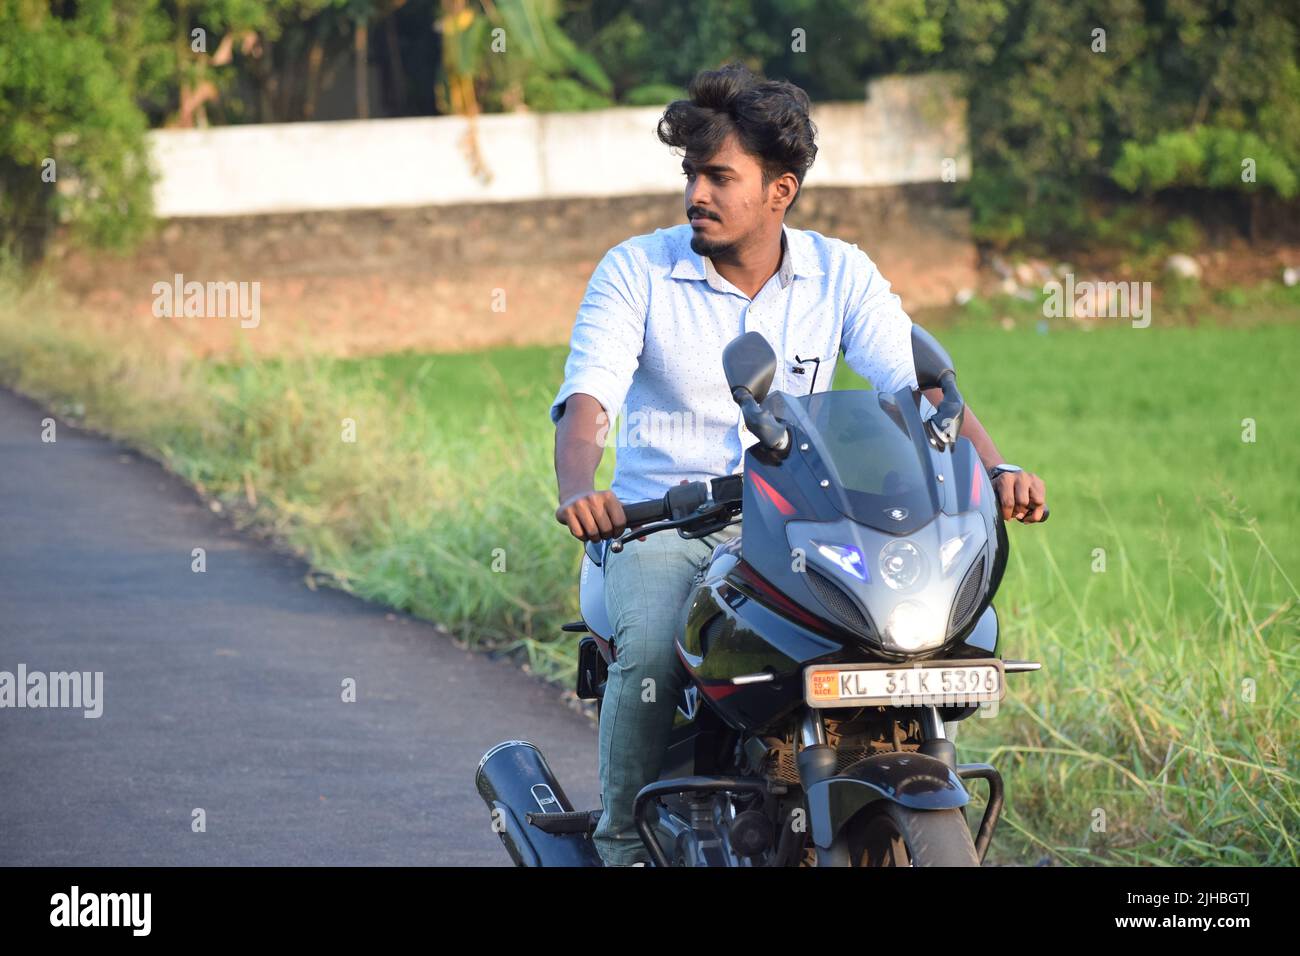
column 811, row 331
column 806, row 348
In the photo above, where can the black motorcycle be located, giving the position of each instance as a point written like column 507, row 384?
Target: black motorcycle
column 826, row 645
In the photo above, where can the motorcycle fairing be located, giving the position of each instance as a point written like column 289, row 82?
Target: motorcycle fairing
column 779, row 492
column 591, row 590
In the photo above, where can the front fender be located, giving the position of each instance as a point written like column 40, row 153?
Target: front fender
column 914, row 780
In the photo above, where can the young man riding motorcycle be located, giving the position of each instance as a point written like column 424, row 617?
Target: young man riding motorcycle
column 647, row 345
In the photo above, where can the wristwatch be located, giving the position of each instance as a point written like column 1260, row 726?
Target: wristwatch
column 1002, row 469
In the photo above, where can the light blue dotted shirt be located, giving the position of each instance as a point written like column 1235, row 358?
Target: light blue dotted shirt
column 648, row 341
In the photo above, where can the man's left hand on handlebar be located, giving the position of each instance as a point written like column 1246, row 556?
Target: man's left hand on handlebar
column 1022, row 495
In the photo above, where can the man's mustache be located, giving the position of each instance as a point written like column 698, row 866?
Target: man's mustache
column 695, row 212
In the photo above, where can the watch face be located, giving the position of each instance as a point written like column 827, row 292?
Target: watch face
column 1005, row 468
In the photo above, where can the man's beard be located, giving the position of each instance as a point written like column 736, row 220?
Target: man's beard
column 711, row 248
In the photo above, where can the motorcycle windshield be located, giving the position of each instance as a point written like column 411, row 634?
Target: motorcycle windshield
column 863, row 439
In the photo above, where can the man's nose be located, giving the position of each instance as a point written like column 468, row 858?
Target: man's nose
column 697, row 194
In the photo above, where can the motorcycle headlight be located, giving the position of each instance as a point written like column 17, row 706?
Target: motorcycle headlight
column 953, row 547
column 902, row 565
column 844, row 556
column 914, row 627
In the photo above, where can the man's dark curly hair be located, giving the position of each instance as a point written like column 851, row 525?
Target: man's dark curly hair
column 770, row 117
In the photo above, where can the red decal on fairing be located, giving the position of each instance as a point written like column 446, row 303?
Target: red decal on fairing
column 772, row 495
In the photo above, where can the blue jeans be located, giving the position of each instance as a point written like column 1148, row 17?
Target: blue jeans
column 646, row 587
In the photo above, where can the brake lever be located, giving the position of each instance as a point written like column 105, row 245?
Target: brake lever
column 616, row 544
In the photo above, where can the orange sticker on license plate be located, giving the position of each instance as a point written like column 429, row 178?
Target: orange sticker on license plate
column 825, row 685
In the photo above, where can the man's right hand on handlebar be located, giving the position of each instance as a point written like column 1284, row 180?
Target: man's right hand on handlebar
column 595, row 515
column 592, row 515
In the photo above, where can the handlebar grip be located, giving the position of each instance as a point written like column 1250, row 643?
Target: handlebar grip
column 644, row 512
column 681, row 499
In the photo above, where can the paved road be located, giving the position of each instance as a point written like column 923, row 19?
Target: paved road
column 222, row 690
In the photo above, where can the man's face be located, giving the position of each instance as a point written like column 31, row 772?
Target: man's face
column 726, row 202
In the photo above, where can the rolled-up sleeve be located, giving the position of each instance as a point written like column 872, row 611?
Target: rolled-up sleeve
column 877, row 336
column 609, row 333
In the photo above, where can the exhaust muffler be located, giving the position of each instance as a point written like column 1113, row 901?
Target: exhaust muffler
column 516, row 783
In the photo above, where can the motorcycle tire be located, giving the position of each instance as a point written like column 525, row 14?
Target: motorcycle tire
column 888, row 834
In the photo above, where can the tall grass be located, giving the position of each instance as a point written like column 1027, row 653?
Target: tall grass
column 1163, row 739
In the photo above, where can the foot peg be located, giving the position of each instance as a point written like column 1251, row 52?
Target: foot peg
column 573, row 821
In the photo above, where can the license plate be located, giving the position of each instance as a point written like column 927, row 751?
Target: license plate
column 925, row 683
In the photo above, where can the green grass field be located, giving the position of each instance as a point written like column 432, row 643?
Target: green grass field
column 1138, row 434
column 1163, row 725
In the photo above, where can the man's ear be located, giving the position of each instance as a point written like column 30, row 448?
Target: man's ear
column 783, row 190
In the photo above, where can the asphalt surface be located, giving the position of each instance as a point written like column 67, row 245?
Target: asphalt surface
column 222, row 690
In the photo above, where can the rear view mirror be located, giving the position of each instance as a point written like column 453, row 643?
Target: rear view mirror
column 931, row 359
column 934, row 370
column 749, row 363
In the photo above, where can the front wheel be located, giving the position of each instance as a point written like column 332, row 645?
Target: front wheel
column 887, row 834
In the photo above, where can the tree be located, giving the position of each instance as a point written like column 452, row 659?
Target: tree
column 1242, row 135
column 514, row 54
column 72, row 138
column 1067, row 98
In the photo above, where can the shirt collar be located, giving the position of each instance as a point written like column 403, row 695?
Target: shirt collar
column 797, row 259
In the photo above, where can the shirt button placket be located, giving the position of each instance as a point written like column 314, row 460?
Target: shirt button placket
column 741, row 430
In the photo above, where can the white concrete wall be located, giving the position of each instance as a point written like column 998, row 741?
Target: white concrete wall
column 902, row 134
